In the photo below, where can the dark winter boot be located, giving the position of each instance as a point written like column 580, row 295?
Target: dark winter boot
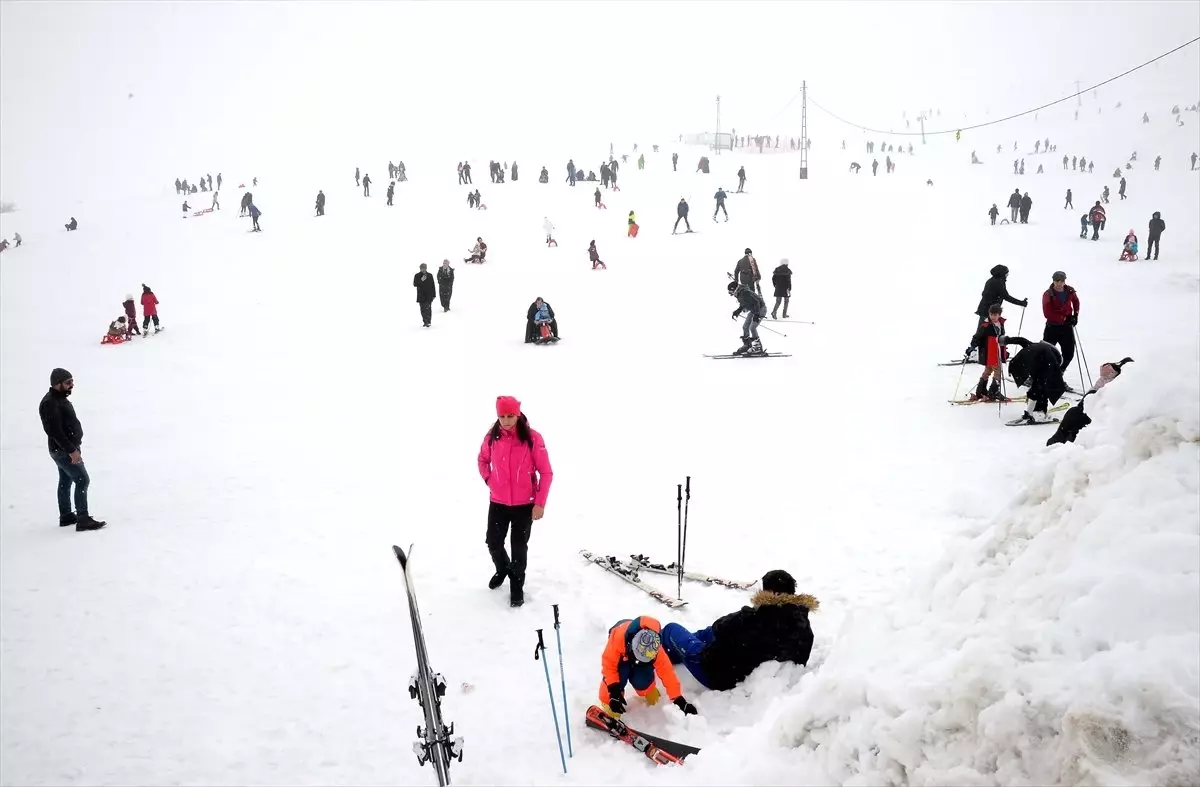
column 980, row 390
column 746, row 341
column 994, row 394
column 86, row 522
column 66, row 519
column 497, row 579
column 516, row 591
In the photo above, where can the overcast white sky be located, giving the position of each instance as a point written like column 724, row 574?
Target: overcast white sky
column 246, row 79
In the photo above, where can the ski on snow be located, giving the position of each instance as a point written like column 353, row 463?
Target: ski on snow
column 1022, row 422
column 747, row 355
column 436, row 743
column 986, row 401
column 629, row 573
column 643, row 563
column 658, row 750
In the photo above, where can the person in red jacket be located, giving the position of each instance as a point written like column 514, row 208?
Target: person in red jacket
column 1060, row 306
column 149, row 309
column 515, row 465
column 991, row 355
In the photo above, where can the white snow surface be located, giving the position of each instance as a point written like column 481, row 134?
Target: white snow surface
column 992, row 611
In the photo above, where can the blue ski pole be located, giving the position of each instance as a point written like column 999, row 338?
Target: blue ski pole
column 562, row 674
column 540, row 652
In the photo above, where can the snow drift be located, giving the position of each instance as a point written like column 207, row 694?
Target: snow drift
column 1056, row 644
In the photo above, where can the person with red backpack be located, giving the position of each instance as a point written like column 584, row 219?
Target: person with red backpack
column 1098, row 218
column 991, row 355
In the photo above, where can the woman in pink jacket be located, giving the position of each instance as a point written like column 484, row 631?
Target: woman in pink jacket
column 516, row 467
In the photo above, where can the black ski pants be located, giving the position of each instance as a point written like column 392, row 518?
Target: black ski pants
column 444, row 292
column 1151, row 244
column 426, row 312
column 146, row 321
column 1064, row 337
column 685, row 223
column 785, row 299
column 502, row 519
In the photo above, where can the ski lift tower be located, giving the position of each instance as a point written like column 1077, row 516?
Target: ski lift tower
column 717, row 136
column 804, row 131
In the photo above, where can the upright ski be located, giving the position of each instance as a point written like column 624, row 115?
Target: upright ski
column 658, row 750
column 643, row 563
column 436, row 743
column 629, row 573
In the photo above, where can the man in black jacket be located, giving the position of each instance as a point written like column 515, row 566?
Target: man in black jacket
column 445, row 280
column 1037, row 366
column 1157, row 225
column 426, row 292
column 681, row 214
column 1014, row 204
column 774, row 628
column 65, row 436
column 781, row 278
column 995, row 290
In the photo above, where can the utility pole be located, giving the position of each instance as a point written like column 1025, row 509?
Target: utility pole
column 717, row 136
column 804, row 131
column 922, row 119
column 1078, row 95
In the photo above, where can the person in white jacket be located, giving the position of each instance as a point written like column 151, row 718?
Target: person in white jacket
column 548, row 226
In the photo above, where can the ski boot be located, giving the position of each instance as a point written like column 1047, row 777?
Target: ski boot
column 746, row 342
column 994, row 395
column 756, row 348
column 980, row 393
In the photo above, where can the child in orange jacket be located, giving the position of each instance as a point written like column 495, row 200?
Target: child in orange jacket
column 634, row 654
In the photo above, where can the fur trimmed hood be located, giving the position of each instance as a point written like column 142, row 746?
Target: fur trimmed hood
column 767, row 598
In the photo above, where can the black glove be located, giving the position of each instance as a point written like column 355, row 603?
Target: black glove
column 736, row 313
column 1003, row 341
column 616, row 698
column 688, row 708
column 1073, row 320
column 1024, row 303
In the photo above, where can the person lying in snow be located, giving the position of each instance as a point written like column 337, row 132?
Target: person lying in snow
column 774, row 628
column 1075, row 420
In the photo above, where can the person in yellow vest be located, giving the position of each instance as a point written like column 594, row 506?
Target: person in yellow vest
column 633, row 225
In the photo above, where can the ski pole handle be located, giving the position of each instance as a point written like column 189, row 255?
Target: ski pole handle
column 540, row 647
column 555, row 607
column 689, row 487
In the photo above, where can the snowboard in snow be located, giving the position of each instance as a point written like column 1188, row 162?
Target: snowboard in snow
column 629, row 573
column 658, row 750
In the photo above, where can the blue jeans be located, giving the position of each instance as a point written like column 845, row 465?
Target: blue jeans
column 684, row 647
column 71, row 474
column 750, row 327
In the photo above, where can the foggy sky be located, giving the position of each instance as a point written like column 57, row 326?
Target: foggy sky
column 250, row 80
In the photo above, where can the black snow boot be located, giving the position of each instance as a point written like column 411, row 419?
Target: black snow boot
column 516, row 591
column 66, row 519
column 86, row 522
column 980, row 390
column 994, row 392
column 497, row 579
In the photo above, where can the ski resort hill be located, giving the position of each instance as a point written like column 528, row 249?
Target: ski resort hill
column 992, row 611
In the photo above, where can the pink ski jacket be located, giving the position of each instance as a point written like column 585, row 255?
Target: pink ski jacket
column 516, row 474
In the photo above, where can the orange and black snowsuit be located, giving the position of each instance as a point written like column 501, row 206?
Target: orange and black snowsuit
column 618, row 665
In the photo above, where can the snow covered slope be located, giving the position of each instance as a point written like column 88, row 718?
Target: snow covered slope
column 992, row 611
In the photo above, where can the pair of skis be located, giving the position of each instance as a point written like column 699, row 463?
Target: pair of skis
column 630, row 572
column 658, row 750
column 747, row 355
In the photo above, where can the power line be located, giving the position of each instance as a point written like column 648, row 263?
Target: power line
column 1010, row 117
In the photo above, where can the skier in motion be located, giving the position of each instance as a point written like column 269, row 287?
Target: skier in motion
column 755, row 309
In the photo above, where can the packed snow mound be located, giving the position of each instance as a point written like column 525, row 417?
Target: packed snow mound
column 1057, row 644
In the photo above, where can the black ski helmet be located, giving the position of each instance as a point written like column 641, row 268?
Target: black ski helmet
column 748, row 251
column 732, row 286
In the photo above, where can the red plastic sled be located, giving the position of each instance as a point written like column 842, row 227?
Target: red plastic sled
column 113, row 339
column 633, row 230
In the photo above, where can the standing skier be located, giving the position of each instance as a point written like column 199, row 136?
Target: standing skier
column 741, row 175
column 445, row 281
column 423, row 281
column 366, row 184
column 986, row 342
column 1060, row 306
column 755, row 309
column 781, row 278
column 515, row 465
column 720, row 198
column 995, row 290
column 681, row 214
column 150, row 308
column 634, row 655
